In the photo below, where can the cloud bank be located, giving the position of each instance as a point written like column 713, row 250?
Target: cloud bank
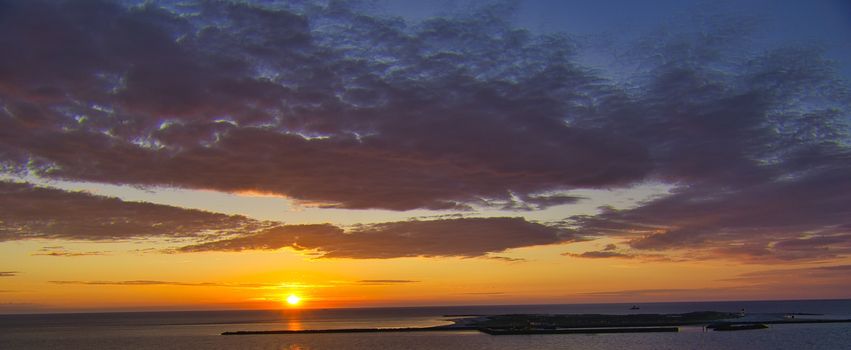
column 467, row 237
column 329, row 104
column 31, row 212
column 236, row 97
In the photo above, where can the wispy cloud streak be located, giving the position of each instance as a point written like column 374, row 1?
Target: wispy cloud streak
column 162, row 283
column 62, row 252
column 385, row 282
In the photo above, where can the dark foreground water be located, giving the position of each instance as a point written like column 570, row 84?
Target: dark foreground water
column 200, row 330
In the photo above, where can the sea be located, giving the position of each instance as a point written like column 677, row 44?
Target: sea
column 202, row 329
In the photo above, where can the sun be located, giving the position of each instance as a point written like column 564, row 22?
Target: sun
column 293, row 300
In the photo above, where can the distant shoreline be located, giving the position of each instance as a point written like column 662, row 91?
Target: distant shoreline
column 457, row 329
column 520, row 324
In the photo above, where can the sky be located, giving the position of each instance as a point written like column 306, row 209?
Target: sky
column 200, row 155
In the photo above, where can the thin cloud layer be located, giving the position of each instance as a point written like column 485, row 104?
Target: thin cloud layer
column 611, row 251
column 332, row 105
column 8, row 273
column 467, row 237
column 163, row 283
column 30, row 212
column 632, row 293
column 62, row 252
column 829, row 281
column 600, row 254
column 506, row 259
column 835, row 273
column 710, row 293
column 384, row 282
column 145, row 283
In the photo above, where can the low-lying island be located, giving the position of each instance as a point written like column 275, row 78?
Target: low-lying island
column 525, row 324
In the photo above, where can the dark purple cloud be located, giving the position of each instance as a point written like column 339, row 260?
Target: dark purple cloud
column 242, row 97
column 28, row 212
column 468, row 237
column 330, row 104
column 802, row 217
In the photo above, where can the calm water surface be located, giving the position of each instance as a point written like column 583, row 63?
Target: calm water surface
column 200, row 330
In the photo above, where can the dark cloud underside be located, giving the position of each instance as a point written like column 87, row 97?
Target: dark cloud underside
column 468, row 237
column 28, row 212
column 634, row 254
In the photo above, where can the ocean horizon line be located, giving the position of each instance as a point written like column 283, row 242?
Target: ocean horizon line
column 401, row 307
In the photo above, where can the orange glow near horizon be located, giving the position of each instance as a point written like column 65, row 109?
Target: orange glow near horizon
column 256, row 280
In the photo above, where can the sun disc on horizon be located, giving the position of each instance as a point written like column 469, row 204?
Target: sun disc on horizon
column 293, row 300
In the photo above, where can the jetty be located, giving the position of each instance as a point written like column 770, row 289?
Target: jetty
column 344, row 330
column 737, row 327
column 497, row 331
